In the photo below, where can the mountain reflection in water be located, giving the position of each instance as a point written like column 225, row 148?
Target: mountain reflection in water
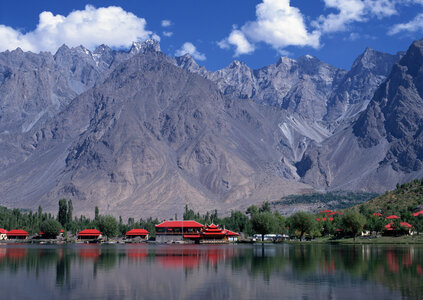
column 141, row 271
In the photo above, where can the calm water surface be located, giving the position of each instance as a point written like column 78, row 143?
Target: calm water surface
column 211, row 272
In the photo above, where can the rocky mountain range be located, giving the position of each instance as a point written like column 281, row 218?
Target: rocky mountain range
column 139, row 133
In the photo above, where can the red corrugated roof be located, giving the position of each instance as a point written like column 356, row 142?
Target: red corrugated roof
column 418, row 213
column 392, row 217
column 3, row 231
column 137, row 232
column 89, row 232
column 179, row 224
column 17, row 232
column 405, row 224
column 377, row 214
column 231, row 233
column 325, row 211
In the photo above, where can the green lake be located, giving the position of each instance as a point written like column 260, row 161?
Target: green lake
column 145, row 271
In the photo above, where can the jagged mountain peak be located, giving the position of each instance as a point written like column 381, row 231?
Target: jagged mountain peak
column 147, row 45
column 237, row 64
column 284, row 60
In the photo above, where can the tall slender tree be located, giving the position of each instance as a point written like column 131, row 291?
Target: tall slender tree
column 63, row 212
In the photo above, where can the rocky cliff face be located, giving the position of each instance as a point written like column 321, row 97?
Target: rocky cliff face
column 384, row 145
column 295, row 86
column 356, row 89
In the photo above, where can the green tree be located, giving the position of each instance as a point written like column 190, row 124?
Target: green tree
column 303, row 222
column 264, row 223
column 108, row 226
column 51, row 228
column 69, row 214
column 189, row 214
column 96, row 213
column 265, row 207
column 353, row 223
column 63, row 211
column 251, row 210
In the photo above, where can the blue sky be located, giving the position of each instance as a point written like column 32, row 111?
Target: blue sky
column 219, row 31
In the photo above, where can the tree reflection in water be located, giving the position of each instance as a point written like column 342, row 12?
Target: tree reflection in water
column 399, row 268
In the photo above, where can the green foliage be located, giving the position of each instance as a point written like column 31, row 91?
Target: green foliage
column 331, row 200
column 302, row 222
column 69, row 215
column 63, row 212
column 406, row 197
column 96, row 213
column 108, row 225
column 51, row 228
column 353, row 223
column 266, row 222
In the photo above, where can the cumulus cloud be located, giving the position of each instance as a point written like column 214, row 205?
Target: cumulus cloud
column 167, row 33
column 277, row 24
column 90, row 27
column 166, row 23
column 189, row 48
column 350, row 11
column 413, row 26
column 237, row 39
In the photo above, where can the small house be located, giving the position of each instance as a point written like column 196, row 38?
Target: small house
column 137, row 233
column 17, row 234
column 89, row 234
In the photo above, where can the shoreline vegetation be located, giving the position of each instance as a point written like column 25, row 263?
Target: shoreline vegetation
column 395, row 217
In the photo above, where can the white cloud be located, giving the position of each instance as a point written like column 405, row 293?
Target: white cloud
column 189, row 48
column 351, row 11
column 413, row 26
column 90, row 27
column 237, row 39
column 166, row 23
column 278, row 24
column 167, row 33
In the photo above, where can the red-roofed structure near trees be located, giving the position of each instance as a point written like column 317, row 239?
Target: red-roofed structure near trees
column 89, row 234
column 133, row 233
column 419, row 213
column 392, row 217
column 17, row 234
column 169, row 231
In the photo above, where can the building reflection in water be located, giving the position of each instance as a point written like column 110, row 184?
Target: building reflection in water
column 398, row 268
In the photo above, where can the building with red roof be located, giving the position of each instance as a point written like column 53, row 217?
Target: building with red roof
column 392, row 217
column 17, row 234
column 213, row 233
column 232, row 236
column 171, row 231
column 419, row 213
column 389, row 229
column 377, row 214
column 137, row 233
column 89, row 234
column 3, row 234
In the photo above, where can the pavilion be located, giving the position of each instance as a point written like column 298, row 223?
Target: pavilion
column 17, row 234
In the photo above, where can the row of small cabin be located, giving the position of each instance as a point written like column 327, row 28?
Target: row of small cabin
column 167, row 231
